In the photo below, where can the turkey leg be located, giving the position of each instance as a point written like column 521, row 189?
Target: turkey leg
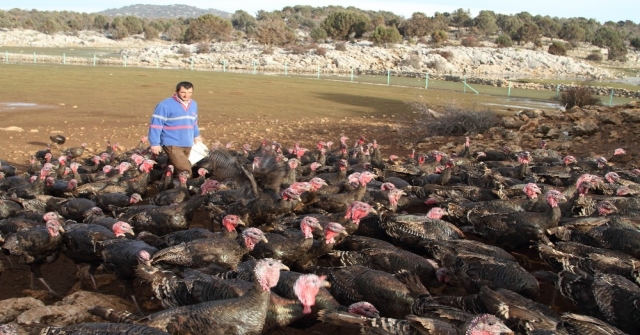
column 35, row 271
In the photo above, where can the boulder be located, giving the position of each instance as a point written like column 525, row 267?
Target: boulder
column 11, row 308
column 512, row 122
column 584, row 128
column 72, row 309
column 631, row 115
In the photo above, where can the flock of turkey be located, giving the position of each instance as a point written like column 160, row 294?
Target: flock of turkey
column 428, row 244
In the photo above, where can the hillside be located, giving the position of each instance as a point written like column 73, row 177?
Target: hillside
column 162, row 11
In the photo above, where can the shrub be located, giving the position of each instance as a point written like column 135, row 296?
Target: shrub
column 321, row 51
column 422, row 40
column 617, row 52
column 297, row 49
column 439, row 36
column 578, row 96
column 120, row 32
column 341, row 46
column 596, row 57
column 504, row 41
column 444, row 54
column 438, row 65
column 454, row 121
column 635, row 42
column 318, row 34
column 203, row 48
column 151, row 33
column 469, row 41
column 558, row 48
column 184, row 51
column 267, row 51
column 414, row 61
column 382, row 35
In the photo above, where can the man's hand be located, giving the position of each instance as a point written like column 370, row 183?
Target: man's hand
column 197, row 139
column 156, row 149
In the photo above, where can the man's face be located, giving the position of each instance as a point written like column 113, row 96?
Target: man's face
column 184, row 94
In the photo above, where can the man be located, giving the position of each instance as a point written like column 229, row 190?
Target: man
column 174, row 127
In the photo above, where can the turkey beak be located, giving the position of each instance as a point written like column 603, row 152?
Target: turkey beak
column 264, row 239
column 61, row 230
column 325, row 283
column 284, row 267
column 344, row 232
column 241, row 223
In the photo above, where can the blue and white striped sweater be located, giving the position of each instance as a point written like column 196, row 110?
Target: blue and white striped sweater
column 174, row 124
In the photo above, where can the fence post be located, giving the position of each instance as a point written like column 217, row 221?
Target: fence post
column 6, row 57
column 557, row 91
column 125, row 60
column 34, row 58
column 191, row 63
column 611, row 99
column 64, row 58
column 509, row 92
column 318, row 71
column 285, row 69
column 388, row 77
column 464, row 85
column 254, row 67
column 94, row 59
column 224, row 65
column 426, row 81
column 352, row 74
column 157, row 61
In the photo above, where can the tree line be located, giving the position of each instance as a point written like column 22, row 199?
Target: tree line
column 278, row 28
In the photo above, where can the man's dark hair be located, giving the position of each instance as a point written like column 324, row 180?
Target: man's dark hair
column 187, row 85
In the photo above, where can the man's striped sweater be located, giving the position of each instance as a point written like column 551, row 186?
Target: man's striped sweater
column 174, row 123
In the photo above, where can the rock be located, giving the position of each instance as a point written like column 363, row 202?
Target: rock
column 59, row 316
column 584, row 128
column 72, row 309
column 630, row 115
column 512, row 122
column 93, row 299
column 609, row 118
column 11, row 308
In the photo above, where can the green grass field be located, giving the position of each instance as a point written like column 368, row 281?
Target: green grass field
column 121, row 91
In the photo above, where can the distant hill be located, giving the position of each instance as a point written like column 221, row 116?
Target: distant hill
column 159, row 11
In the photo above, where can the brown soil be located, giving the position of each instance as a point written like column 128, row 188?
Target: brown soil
column 396, row 135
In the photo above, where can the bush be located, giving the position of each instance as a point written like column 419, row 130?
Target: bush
column 444, row 54
column 321, row 51
column 617, row 52
column 422, row 40
column 203, row 48
column 184, row 51
column 267, row 51
column 504, row 41
column 454, row 121
column 297, row 49
column 470, row 42
column 341, row 46
column 635, row 42
column 439, row 36
column 382, row 35
column 558, row 48
column 438, row 65
column 151, row 33
column 578, row 96
column 318, row 34
column 596, row 57
column 414, row 61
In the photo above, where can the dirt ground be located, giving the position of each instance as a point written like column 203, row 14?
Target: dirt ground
column 396, row 135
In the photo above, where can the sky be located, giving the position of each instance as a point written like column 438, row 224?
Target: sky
column 614, row 10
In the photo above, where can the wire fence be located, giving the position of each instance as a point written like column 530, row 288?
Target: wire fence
column 505, row 89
